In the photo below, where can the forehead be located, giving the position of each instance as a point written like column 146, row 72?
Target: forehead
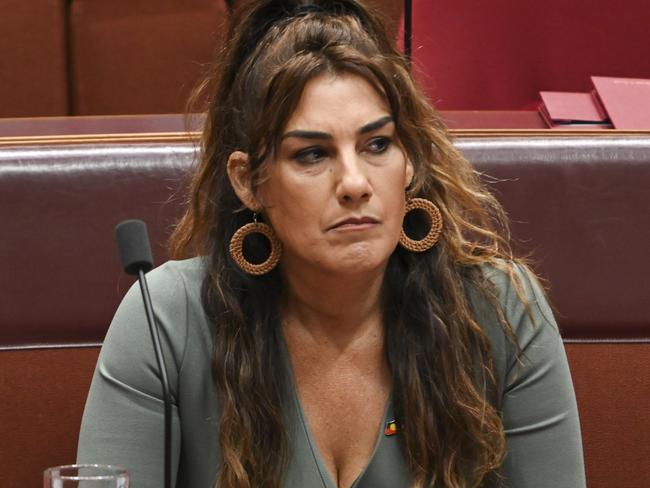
column 334, row 103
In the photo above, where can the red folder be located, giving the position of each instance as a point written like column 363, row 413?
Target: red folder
column 626, row 100
column 562, row 108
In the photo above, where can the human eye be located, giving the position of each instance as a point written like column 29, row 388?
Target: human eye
column 310, row 155
column 379, row 145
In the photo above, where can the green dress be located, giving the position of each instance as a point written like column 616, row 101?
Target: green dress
column 123, row 418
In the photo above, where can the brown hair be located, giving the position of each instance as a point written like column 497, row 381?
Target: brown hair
column 439, row 356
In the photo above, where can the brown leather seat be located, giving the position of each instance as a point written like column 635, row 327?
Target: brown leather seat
column 62, row 280
column 579, row 203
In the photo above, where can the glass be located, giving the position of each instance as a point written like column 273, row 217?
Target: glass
column 86, row 476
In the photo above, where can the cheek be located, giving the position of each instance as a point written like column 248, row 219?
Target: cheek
column 289, row 220
column 293, row 211
column 394, row 195
column 396, row 216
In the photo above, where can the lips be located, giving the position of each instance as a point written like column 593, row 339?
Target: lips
column 352, row 222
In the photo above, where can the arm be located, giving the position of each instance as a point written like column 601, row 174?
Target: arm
column 540, row 415
column 123, row 418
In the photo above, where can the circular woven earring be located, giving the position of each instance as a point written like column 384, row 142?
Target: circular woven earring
column 237, row 244
column 432, row 236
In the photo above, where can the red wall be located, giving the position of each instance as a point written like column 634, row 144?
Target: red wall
column 498, row 54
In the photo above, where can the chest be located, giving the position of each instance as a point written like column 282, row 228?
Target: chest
column 344, row 405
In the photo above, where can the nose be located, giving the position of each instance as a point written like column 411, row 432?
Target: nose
column 352, row 180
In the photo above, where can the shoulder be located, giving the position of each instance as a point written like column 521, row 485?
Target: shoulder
column 175, row 289
column 510, row 291
column 173, row 286
column 170, row 276
column 515, row 290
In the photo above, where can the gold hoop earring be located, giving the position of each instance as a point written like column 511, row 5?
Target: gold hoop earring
column 237, row 244
column 432, row 236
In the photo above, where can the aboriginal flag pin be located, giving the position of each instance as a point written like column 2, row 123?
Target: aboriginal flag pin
column 391, row 428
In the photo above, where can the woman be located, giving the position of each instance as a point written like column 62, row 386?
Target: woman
column 315, row 342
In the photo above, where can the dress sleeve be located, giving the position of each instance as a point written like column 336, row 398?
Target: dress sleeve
column 539, row 409
column 123, row 421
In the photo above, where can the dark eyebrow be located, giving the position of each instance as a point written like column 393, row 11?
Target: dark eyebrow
column 306, row 134
column 377, row 124
column 312, row 134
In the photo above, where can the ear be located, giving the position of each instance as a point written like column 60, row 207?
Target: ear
column 408, row 174
column 240, row 176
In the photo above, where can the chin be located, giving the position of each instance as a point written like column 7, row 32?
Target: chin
column 359, row 258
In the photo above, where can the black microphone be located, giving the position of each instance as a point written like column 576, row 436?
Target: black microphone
column 135, row 252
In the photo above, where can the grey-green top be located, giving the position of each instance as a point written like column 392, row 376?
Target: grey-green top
column 123, row 419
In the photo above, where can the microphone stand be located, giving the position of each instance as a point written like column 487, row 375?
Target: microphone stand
column 160, row 359
column 135, row 254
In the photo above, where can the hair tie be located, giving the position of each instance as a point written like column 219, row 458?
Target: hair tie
column 307, row 8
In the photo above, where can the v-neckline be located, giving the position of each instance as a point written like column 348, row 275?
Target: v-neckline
column 324, row 473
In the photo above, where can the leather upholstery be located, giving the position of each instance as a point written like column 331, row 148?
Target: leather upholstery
column 64, row 202
column 578, row 203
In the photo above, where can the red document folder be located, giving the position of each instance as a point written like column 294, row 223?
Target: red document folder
column 564, row 108
column 626, row 100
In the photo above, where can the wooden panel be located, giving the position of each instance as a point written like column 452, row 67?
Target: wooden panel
column 33, row 62
column 140, row 56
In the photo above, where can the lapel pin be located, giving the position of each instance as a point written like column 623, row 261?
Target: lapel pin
column 391, row 428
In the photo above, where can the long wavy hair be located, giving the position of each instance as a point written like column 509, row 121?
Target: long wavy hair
column 438, row 355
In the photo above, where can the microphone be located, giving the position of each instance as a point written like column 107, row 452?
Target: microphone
column 135, row 253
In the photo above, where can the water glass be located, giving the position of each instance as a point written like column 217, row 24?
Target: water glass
column 86, row 476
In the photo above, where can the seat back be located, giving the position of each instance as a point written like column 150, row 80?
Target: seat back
column 578, row 203
column 63, row 280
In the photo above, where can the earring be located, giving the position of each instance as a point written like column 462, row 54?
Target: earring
column 237, row 244
column 432, row 236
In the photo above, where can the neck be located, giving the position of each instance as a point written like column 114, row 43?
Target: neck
column 333, row 310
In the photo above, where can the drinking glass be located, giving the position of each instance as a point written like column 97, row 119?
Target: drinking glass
column 86, row 476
